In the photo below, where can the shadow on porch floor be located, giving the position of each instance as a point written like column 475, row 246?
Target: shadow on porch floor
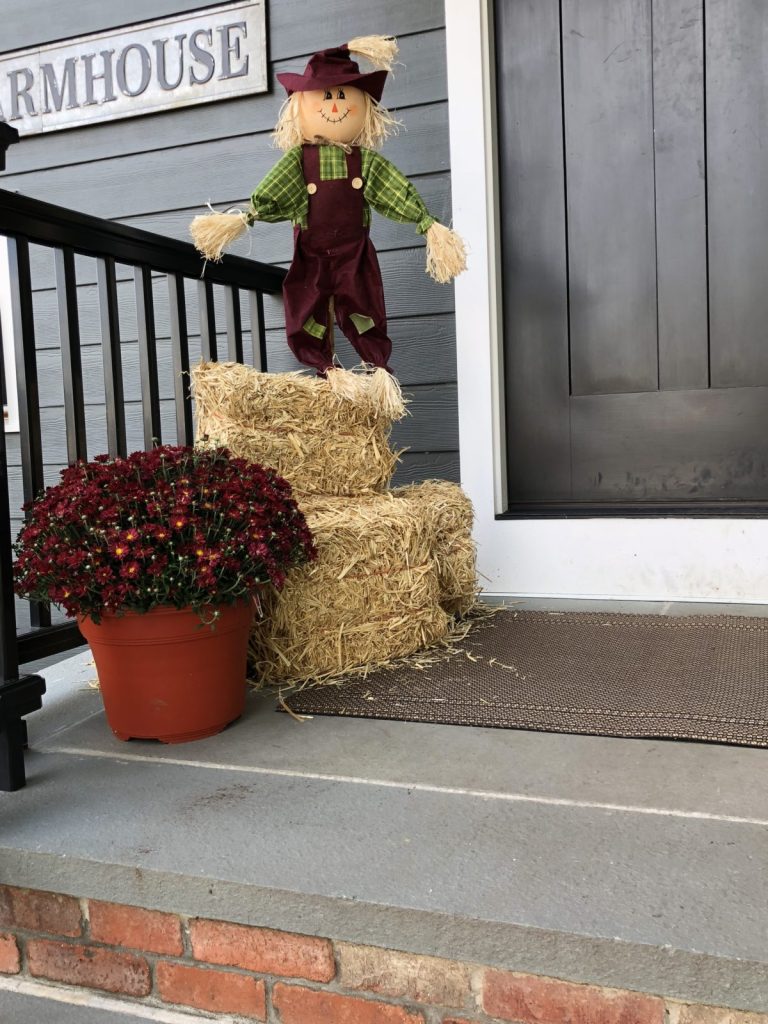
column 634, row 864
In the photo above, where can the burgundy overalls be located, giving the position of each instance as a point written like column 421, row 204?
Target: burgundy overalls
column 334, row 257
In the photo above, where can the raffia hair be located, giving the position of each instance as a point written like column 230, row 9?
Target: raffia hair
column 378, row 125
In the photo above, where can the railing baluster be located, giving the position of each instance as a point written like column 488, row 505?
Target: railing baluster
column 9, row 661
column 258, row 333
column 23, row 327
column 145, row 317
column 234, row 324
column 111, row 356
column 18, row 696
column 208, row 348
column 180, row 354
column 71, row 364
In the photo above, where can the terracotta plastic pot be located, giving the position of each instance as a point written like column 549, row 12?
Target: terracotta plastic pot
column 165, row 675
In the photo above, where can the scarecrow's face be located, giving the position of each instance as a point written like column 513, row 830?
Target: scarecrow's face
column 337, row 113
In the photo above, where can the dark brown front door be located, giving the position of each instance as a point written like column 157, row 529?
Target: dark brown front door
column 633, row 172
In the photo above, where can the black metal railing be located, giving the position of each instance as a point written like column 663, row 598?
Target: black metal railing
column 8, row 137
column 28, row 222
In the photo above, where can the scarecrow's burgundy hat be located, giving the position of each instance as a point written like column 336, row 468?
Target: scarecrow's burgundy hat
column 329, row 68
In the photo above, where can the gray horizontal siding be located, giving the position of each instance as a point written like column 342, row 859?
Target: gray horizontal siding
column 295, row 27
column 417, row 466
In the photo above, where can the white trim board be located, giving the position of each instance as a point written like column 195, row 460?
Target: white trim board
column 11, row 411
column 664, row 559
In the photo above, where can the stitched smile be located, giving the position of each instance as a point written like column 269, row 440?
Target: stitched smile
column 333, row 120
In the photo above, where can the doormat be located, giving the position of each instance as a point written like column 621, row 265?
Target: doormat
column 699, row 677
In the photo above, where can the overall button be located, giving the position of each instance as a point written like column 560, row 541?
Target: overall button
column 312, row 188
column 357, row 183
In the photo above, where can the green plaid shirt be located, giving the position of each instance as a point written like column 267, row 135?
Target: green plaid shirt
column 282, row 194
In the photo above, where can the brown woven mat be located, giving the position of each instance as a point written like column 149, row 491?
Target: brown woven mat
column 694, row 677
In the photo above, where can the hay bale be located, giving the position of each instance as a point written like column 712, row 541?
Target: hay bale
column 324, row 436
column 394, row 567
column 393, row 570
column 372, row 595
column 450, row 512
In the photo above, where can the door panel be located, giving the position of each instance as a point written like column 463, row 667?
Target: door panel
column 609, row 186
column 533, row 233
column 634, row 204
column 737, row 172
column 681, row 198
column 680, row 445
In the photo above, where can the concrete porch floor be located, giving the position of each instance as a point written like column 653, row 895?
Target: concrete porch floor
column 635, row 864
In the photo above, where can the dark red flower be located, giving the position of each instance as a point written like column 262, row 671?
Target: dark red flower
column 174, row 525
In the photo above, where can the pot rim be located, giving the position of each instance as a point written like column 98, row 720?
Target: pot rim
column 170, row 610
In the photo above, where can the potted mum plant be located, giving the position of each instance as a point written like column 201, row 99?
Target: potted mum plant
column 160, row 557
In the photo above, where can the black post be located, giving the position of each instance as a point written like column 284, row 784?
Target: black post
column 150, row 393
column 111, row 355
column 18, row 696
column 8, row 136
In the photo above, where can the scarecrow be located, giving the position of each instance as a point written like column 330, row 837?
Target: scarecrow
column 329, row 178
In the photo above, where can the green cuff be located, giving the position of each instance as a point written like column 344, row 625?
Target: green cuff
column 425, row 224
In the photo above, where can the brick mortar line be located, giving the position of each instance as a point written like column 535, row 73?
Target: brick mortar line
column 272, row 1014
column 186, row 936
column 85, row 917
column 153, row 995
column 21, row 945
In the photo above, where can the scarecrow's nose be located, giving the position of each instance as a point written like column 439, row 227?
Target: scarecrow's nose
column 334, row 109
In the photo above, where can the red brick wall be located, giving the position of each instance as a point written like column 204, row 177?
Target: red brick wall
column 266, row 975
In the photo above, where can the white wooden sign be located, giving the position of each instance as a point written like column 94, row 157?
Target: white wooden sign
column 198, row 57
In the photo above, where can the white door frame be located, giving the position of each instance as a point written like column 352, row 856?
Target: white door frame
column 11, row 409
column 658, row 559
